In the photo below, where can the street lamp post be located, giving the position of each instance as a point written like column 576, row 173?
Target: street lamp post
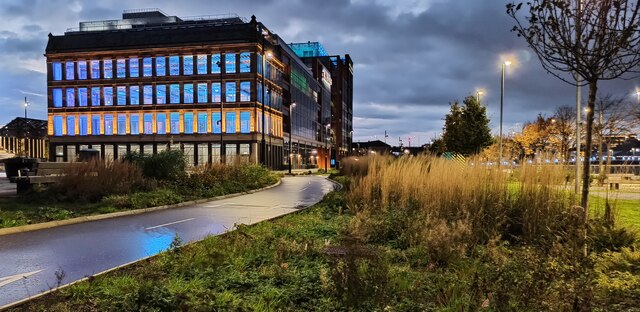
column 221, row 115
column 291, row 106
column 26, row 103
column 478, row 94
column 264, row 89
column 504, row 64
column 326, row 146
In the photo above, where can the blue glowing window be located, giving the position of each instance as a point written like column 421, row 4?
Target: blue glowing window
column 202, row 93
column 230, row 62
column 122, row 124
column 57, row 97
column 108, row 96
column 216, row 93
column 108, row 69
column 245, row 122
column 174, row 65
column 83, row 121
column 57, row 71
column 121, row 68
column 215, row 63
column 82, row 70
column 147, row 67
column 260, row 95
column 216, row 123
column 161, row 123
column 259, row 64
column 71, row 125
column 230, row 92
column 122, row 95
column 95, row 69
column 147, row 94
column 69, row 71
column 134, row 95
column 202, row 123
column 187, row 60
column 245, row 91
column 134, row 121
column 95, row 96
column 161, row 94
column 148, row 123
column 175, row 123
column 82, row 97
column 230, row 118
column 161, row 66
column 108, row 124
column 71, row 97
column 57, row 125
column 134, row 67
column 245, row 62
column 95, row 125
column 201, row 64
column 188, row 123
column 188, row 93
column 174, row 93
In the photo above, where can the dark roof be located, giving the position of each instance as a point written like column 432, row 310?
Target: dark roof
column 371, row 144
column 21, row 127
column 626, row 147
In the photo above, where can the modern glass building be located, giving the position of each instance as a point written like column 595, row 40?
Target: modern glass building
column 218, row 88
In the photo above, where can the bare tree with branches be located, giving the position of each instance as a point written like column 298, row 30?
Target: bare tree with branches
column 613, row 120
column 564, row 118
column 591, row 40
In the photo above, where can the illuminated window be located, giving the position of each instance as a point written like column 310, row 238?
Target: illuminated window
column 122, row 95
column 57, row 71
column 71, row 97
column 161, row 123
column 188, row 93
column 245, row 62
column 134, row 121
column 230, row 92
column 57, row 97
column 201, row 64
column 82, row 70
column 69, row 71
column 147, row 94
column 83, row 121
column 108, row 69
column 161, row 94
column 174, row 93
column 245, row 91
column 95, row 125
column 259, row 64
column 216, row 123
column 188, row 123
column 245, row 122
column 202, row 93
column 187, row 61
column 134, row 67
column 82, row 97
column 202, row 123
column 215, row 63
column 260, row 96
column 175, row 123
column 230, row 62
column 71, row 125
column 174, row 65
column 134, row 95
column 230, row 118
column 95, row 96
column 95, row 69
column 216, row 93
column 121, row 68
column 161, row 66
column 147, row 67
column 108, row 96
column 122, row 124
column 148, row 123
column 57, row 125
column 108, row 124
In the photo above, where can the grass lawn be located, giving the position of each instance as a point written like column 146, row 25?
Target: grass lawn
column 627, row 211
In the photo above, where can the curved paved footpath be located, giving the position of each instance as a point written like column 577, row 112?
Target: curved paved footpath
column 29, row 261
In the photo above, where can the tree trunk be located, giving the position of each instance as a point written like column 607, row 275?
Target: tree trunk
column 593, row 89
column 600, row 135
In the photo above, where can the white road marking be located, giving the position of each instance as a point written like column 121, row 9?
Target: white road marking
column 14, row 278
column 170, row 223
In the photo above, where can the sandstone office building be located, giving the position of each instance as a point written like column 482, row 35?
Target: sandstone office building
column 217, row 88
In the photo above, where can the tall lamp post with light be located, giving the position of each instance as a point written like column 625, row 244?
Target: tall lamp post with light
column 263, row 147
column 221, row 115
column 326, row 146
column 478, row 94
column 504, row 64
column 291, row 107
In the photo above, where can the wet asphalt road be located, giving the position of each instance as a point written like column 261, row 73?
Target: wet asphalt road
column 29, row 261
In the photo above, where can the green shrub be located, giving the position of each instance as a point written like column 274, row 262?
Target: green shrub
column 167, row 165
column 605, row 237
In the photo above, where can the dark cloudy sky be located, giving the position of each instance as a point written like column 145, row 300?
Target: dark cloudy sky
column 412, row 57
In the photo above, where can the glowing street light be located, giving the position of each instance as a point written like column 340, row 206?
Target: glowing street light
column 504, row 64
column 291, row 107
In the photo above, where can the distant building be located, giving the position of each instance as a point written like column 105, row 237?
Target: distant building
column 24, row 137
column 371, row 147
